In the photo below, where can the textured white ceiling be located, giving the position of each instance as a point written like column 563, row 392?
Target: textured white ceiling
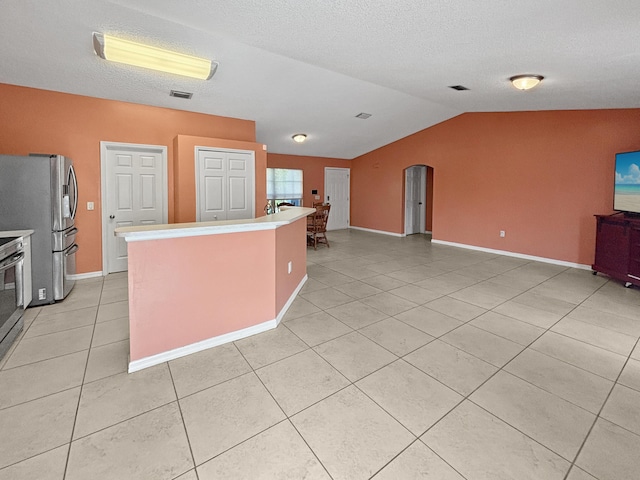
column 312, row 66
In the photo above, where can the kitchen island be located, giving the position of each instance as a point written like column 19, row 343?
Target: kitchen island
column 193, row 286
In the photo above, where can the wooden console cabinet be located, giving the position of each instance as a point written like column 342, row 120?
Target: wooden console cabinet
column 618, row 248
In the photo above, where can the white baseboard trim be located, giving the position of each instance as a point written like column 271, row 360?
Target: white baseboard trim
column 513, row 254
column 84, row 276
column 383, row 232
column 215, row 341
column 291, row 299
column 152, row 360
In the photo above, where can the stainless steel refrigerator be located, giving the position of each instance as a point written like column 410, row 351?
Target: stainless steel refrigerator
column 40, row 193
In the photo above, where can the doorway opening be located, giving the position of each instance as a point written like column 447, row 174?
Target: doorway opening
column 418, row 199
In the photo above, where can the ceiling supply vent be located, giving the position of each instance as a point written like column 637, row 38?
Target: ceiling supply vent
column 185, row 95
column 460, row 88
column 363, row 115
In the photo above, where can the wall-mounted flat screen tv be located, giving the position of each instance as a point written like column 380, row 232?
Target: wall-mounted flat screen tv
column 627, row 186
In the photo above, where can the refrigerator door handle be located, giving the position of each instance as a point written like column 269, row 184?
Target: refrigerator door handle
column 72, row 177
column 72, row 250
column 71, row 232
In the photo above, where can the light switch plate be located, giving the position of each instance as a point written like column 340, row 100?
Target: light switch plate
column 90, row 206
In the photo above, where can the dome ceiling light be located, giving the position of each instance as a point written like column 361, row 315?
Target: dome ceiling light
column 299, row 137
column 526, row 82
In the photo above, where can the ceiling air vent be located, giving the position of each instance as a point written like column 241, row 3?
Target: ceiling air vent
column 185, row 95
column 460, row 88
column 363, row 115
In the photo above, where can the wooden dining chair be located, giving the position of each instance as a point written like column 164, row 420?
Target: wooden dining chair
column 317, row 227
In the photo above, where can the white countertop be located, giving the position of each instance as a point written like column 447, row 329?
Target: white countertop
column 286, row 216
column 16, row 233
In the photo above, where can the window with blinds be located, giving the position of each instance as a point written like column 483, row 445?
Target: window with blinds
column 284, row 185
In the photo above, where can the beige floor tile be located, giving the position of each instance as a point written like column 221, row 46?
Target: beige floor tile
column 384, row 282
column 480, row 446
column 301, row 380
column 457, row 309
column 588, row 357
column 577, row 473
column 548, row 304
column 610, row 453
column 44, row 378
column 416, row 274
column 388, row 303
column 110, row 400
column 225, row 415
column 615, row 306
column 529, row 314
column 354, row 355
column 80, row 297
column 415, row 294
column 107, row 360
column 112, row 295
column 631, row 375
column 317, row 328
column 358, row 289
column 110, row 332
column 418, row 462
column 623, row 408
column 299, row 308
column 37, row 426
column 112, row 311
column 351, row 435
column 44, row 347
column 46, row 466
column 207, row 368
column 447, row 283
column 626, row 325
column 571, row 383
column 327, row 276
column 357, row 314
column 271, row 346
column 278, row 452
column 190, row 475
column 312, row 285
column 412, row 397
column 59, row 322
column 484, row 345
column 552, row 421
column 457, row 369
column 519, row 332
column 395, row 336
column 327, row 298
column 429, row 321
column 598, row 336
column 116, row 451
column 636, row 352
column 479, row 298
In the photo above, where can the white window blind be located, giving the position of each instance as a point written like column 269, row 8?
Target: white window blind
column 284, row 183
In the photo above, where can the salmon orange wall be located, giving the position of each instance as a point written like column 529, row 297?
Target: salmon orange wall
column 540, row 176
column 313, row 171
column 39, row 121
column 185, row 172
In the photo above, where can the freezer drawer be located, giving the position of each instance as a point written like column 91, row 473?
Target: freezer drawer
column 64, row 265
column 64, row 239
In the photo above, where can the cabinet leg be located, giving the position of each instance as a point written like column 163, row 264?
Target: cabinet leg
column 593, row 272
column 627, row 284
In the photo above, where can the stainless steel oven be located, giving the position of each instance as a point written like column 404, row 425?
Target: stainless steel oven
column 11, row 291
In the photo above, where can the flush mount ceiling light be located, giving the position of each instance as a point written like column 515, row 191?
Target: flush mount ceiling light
column 299, row 137
column 526, row 82
column 131, row 53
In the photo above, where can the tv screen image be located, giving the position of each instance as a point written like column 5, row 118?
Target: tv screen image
column 627, row 184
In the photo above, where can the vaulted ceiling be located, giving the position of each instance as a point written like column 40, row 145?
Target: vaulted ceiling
column 311, row 67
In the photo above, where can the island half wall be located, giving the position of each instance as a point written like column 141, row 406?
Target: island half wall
column 198, row 285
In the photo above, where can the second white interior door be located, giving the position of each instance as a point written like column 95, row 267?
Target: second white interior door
column 336, row 192
column 225, row 182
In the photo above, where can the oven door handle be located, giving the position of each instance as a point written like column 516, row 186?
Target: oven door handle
column 72, row 250
column 12, row 262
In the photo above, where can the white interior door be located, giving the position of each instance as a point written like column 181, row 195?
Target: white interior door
column 134, row 193
column 336, row 192
column 414, row 195
column 224, row 185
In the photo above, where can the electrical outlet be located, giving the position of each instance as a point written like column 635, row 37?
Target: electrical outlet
column 289, row 267
column 90, row 206
column 317, row 197
column 502, row 233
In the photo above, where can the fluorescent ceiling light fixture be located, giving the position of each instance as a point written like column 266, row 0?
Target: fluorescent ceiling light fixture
column 299, row 137
column 526, row 82
column 132, row 53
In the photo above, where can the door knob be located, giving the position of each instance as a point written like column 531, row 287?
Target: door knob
column 112, row 217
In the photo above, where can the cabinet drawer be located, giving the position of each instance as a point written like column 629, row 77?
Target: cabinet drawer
column 634, row 252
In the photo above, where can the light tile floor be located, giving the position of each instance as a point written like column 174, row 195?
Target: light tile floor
column 398, row 360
